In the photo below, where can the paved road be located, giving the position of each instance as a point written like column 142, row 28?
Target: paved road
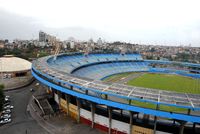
column 22, row 122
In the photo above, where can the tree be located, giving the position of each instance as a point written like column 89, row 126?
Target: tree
column 1, row 97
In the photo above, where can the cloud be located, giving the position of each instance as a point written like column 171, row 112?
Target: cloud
column 14, row 26
column 169, row 21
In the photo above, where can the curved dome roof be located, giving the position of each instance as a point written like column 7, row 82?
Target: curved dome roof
column 8, row 63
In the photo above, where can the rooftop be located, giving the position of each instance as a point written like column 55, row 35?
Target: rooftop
column 9, row 63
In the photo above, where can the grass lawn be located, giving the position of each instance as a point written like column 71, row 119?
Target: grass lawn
column 163, row 82
column 167, row 82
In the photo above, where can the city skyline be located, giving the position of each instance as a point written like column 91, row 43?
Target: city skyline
column 145, row 22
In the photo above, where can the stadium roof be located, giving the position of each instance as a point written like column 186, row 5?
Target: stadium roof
column 170, row 98
column 9, row 63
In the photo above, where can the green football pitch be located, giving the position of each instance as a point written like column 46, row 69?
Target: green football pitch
column 161, row 81
column 168, row 82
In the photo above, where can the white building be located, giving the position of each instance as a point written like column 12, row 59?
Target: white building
column 72, row 44
column 42, row 36
column 99, row 42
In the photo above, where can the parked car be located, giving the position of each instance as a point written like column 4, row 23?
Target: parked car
column 7, row 111
column 1, row 121
column 6, row 100
column 31, row 89
column 5, row 104
column 8, row 107
column 7, row 96
column 37, row 84
column 5, row 116
column 1, row 118
column 6, row 120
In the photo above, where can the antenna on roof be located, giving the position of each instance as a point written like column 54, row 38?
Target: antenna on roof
column 86, row 51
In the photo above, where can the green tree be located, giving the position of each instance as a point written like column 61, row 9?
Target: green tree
column 1, row 97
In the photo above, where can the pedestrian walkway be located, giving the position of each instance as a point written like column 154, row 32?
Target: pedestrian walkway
column 59, row 123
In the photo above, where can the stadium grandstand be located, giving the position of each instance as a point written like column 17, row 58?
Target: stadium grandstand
column 75, row 82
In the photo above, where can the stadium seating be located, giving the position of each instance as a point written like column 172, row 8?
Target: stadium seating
column 99, row 71
column 98, row 66
column 68, row 63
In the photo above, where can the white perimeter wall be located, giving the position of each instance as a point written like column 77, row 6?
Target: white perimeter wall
column 101, row 120
column 116, row 125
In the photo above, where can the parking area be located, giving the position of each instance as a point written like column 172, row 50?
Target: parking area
column 21, row 121
column 7, row 111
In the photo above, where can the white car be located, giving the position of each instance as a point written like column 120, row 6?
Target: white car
column 6, row 100
column 37, row 84
column 2, row 122
column 7, row 96
column 8, row 106
column 6, row 120
column 7, row 111
column 5, row 116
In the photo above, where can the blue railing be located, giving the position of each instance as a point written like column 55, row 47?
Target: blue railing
column 178, row 116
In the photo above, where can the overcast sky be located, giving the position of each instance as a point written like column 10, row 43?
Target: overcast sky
column 165, row 22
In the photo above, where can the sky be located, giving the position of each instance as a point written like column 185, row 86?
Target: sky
column 159, row 22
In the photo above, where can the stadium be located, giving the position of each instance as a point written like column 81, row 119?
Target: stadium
column 86, row 87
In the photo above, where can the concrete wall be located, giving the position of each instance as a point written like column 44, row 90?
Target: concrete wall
column 101, row 122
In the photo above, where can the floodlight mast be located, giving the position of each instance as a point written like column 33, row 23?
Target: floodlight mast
column 122, row 51
column 86, row 51
column 57, row 44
